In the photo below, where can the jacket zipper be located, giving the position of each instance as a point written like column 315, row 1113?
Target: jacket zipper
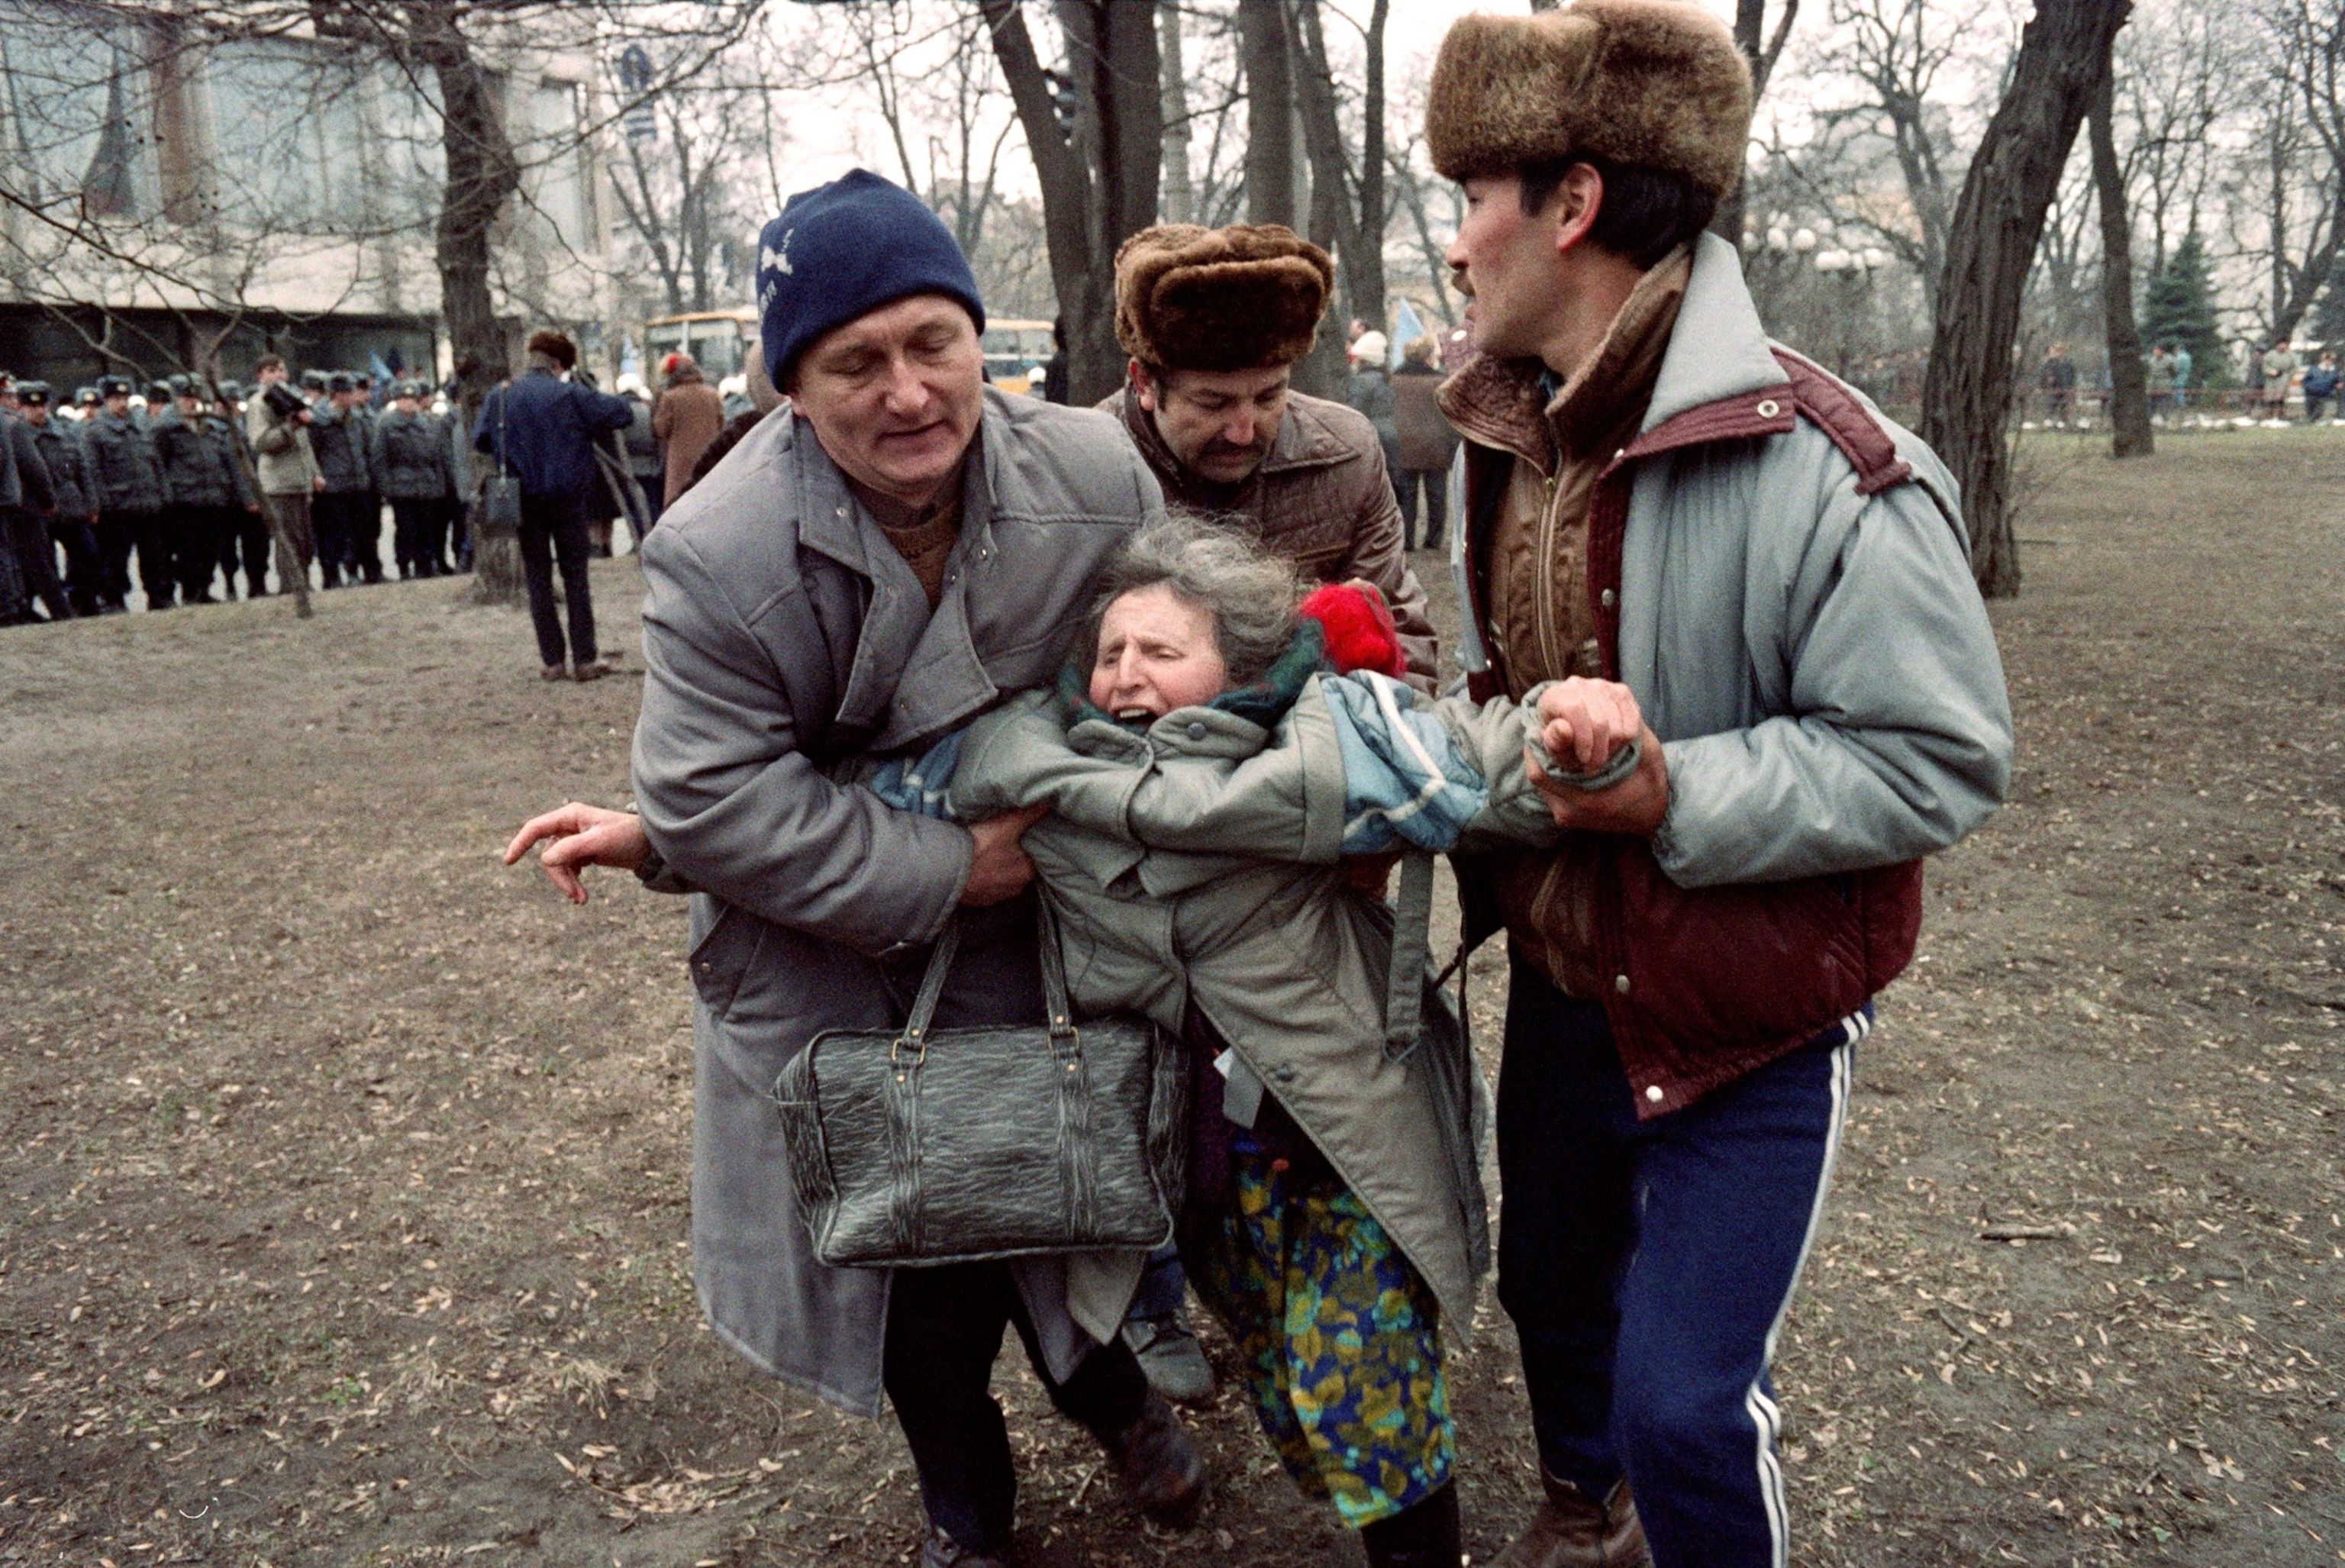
column 1544, row 617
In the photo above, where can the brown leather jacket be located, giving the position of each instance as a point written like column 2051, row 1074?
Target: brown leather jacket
column 1321, row 498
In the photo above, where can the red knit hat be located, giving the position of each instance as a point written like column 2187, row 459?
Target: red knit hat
column 1359, row 627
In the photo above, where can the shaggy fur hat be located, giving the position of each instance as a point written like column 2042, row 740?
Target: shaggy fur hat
column 1236, row 299
column 1656, row 83
column 555, row 346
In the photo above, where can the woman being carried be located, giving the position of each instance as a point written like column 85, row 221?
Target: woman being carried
column 1207, row 767
column 1208, row 763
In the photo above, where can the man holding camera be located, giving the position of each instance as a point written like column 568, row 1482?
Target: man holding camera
column 277, row 418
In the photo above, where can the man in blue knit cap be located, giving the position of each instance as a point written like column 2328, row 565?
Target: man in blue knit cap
column 896, row 551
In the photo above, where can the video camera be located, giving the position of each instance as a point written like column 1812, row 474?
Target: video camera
column 282, row 400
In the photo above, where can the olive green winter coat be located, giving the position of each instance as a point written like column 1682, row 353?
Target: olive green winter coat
column 1195, row 864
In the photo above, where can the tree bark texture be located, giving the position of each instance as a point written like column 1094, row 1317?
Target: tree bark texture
column 1099, row 188
column 1762, row 51
column 1179, row 189
column 482, row 177
column 1270, row 112
column 1966, row 397
column 2128, row 377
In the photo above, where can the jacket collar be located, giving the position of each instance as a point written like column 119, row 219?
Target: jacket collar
column 1719, row 379
column 917, row 671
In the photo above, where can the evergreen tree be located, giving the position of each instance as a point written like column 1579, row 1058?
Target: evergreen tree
column 2178, row 307
column 2327, row 320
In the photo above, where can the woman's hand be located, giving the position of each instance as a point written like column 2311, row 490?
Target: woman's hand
column 582, row 836
column 1586, row 721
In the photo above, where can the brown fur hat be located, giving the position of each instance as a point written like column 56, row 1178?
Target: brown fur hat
column 555, row 346
column 1656, row 83
column 1237, row 298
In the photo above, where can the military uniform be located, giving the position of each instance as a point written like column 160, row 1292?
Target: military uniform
column 25, row 524
column 208, row 493
column 246, row 527
column 131, row 495
column 64, row 455
column 337, row 437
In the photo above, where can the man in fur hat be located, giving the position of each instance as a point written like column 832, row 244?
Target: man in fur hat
column 1213, row 319
column 1733, row 562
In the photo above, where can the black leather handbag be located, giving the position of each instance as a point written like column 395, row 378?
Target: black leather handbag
column 919, row 1146
column 500, row 497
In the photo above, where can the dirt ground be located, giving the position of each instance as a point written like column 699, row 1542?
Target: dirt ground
column 346, row 1169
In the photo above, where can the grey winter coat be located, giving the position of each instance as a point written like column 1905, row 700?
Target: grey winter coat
column 410, row 457
column 198, row 459
column 67, row 457
column 26, row 487
column 337, row 437
column 782, row 635
column 122, row 454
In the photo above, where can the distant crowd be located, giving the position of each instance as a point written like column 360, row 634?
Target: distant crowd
column 177, row 479
column 290, row 475
column 2274, row 372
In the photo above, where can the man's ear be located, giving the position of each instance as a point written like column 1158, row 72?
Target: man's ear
column 1576, row 204
column 1142, row 389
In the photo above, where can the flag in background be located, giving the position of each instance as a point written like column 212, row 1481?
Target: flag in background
column 1406, row 330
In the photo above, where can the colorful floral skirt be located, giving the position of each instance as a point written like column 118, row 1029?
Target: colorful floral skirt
column 1340, row 1336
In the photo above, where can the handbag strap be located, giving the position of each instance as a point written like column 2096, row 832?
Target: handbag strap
column 932, row 985
column 1412, row 940
column 1055, row 973
column 1054, row 979
column 503, row 403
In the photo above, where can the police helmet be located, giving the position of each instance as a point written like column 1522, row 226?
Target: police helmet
column 340, row 382
column 33, row 393
column 313, row 381
column 230, row 391
column 85, row 397
column 113, row 386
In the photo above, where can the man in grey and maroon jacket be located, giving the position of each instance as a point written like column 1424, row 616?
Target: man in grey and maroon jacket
column 1729, row 560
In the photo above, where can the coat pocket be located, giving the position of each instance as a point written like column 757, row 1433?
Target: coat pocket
column 722, row 958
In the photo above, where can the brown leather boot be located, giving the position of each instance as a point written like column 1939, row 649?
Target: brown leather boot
column 1161, row 1467
column 1572, row 1530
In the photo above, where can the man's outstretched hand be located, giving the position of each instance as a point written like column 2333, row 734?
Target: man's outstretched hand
column 999, row 869
column 582, row 836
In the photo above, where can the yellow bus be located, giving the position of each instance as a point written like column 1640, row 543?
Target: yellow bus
column 721, row 343
column 1014, row 349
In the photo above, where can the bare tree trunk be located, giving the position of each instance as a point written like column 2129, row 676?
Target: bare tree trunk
column 482, row 175
column 1999, row 218
column 1762, row 51
column 1180, row 194
column 1120, row 142
column 1270, row 112
column 1101, row 188
column 2128, row 379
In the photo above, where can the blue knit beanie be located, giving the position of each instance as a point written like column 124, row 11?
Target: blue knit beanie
column 843, row 249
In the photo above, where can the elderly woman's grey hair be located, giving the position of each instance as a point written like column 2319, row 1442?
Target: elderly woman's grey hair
column 1221, row 569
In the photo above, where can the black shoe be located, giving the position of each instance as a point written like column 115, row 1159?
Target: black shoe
column 941, row 1551
column 1425, row 1535
column 1160, row 1466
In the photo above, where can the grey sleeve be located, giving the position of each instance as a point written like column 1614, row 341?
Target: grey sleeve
column 32, row 471
column 1898, row 741
column 732, row 806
